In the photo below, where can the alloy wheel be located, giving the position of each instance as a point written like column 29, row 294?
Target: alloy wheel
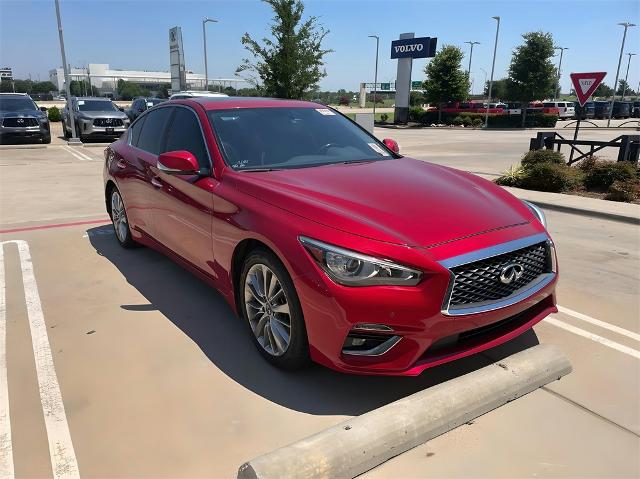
column 267, row 309
column 119, row 216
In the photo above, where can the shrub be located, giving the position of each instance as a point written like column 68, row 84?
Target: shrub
column 54, row 114
column 416, row 113
column 512, row 177
column 534, row 157
column 466, row 120
column 601, row 174
column 477, row 122
column 551, row 177
column 515, row 121
column 384, row 117
column 458, row 120
column 343, row 100
column 624, row 191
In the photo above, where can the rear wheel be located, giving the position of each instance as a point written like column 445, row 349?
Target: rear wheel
column 270, row 306
column 119, row 220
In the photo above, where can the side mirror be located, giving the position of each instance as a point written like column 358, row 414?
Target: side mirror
column 392, row 145
column 178, row 163
column 43, row 109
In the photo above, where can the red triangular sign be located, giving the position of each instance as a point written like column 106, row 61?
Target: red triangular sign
column 585, row 84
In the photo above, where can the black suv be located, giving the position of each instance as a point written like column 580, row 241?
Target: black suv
column 21, row 120
column 635, row 109
column 140, row 105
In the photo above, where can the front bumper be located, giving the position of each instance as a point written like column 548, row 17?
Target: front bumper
column 23, row 134
column 87, row 128
column 428, row 335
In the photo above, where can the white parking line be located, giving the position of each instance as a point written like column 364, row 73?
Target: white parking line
column 597, row 322
column 593, row 337
column 78, row 154
column 63, row 458
column 6, row 446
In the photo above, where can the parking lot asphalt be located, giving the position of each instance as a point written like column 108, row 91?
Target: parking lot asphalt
column 157, row 378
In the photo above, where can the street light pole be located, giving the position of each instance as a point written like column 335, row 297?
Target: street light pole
column 558, row 90
column 74, row 137
column 375, row 77
column 204, row 41
column 626, row 77
column 470, row 57
column 626, row 25
column 493, row 66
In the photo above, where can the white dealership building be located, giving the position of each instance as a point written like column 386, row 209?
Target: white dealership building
column 105, row 78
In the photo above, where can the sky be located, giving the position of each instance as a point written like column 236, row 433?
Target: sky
column 134, row 34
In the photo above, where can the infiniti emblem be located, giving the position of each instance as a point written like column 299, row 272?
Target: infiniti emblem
column 20, row 120
column 511, row 272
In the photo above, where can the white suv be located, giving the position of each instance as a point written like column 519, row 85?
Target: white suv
column 181, row 95
column 566, row 109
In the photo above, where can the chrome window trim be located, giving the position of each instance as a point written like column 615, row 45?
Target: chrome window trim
column 379, row 350
column 490, row 252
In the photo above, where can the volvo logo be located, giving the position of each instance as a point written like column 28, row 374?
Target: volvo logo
column 511, row 272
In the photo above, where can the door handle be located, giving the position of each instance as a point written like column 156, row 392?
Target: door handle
column 121, row 164
column 155, row 181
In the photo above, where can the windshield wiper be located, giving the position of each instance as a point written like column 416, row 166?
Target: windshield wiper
column 252, row 170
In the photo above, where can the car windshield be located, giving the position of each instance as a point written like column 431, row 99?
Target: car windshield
column 17, row 104
column 96, row 105
column 283, row 138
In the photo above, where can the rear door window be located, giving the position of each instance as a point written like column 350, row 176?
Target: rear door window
column 152, row 133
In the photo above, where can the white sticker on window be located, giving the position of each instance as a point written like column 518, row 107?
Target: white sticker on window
column 325, row 111
column 375, row 147
column 80, row 102
column 149, row 104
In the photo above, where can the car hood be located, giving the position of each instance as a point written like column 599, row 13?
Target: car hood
column 101, row 114
column 402, row 201
column 21, row 114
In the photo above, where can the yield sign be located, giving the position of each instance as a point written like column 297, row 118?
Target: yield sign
column 585, row 84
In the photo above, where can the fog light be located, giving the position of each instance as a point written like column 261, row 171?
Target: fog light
column 358, row 344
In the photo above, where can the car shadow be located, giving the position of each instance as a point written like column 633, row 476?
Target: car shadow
column 205, row 317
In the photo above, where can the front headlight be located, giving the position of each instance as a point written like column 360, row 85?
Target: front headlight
column 350, row 268
column 537, row 212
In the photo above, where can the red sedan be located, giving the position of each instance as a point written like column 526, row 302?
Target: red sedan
column 328, row 243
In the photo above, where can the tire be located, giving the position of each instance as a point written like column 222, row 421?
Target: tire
column 266, row 315
column 119, row 219
column 46, row 140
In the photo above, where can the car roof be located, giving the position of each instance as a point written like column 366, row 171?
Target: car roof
column 223, row 103
column 21, row 95
column 101, row 98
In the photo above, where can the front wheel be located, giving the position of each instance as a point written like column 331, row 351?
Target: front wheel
column 270, row 305
column 120, row 221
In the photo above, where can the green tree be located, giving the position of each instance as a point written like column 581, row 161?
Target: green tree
column 43, row 87
column 603, row 91
column 129, row 90
column 290, row 64
column 623, row 88
column 416, row 98
column 498, row 90
column 446, row 80
column 6, row 85
column 532, row 75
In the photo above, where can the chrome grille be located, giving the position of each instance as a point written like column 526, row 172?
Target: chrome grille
column 19, row 122
column 107, row 122
column 479, row 282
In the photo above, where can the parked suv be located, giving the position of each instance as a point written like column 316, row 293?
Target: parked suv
column 565, row 108
column 140, row 105
column 588, row 111
column 20, row 119
column 635, row 109
column 601, row 109
column 621, row 109
column 94, row 117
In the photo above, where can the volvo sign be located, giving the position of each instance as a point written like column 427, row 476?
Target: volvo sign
column 423, row 47
column 405, row 50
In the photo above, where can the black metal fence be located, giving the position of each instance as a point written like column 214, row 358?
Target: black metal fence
column 628, row 145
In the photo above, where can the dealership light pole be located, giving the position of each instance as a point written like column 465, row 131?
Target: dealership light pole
column 484, row 83
column 626, row 77
column 493, row 66
column 72, row 120
column 626, row 25
column 375, row 77
column 558, row 89
column 204, row 40
column 470, row 57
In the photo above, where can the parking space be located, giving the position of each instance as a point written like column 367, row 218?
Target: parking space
column 158, row 378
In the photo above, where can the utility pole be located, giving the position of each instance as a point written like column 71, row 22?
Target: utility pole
column 72, row 120
column 493, row 66
column 375, row 77
column 558, row 89
column 626, row 77
column 204, row 40
column 626, row 25
column 470, row 57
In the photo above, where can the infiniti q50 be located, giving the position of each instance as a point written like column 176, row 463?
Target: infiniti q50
column 326, row 242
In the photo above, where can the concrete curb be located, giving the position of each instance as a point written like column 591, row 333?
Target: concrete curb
column 364, row 442
column 633, row 220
